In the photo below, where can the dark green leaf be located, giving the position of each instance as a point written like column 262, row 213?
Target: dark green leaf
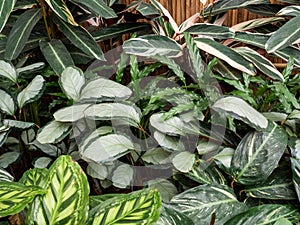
column 60, row 8
column 5, row 9
column 212, row 30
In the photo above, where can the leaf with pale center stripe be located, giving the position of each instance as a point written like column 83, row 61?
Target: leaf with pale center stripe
column 6, row 6
column 212, row 30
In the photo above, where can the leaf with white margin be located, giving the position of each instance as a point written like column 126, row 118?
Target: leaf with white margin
column 173, row 126
column 7, row 104
column 8, row 71
column 184, row 161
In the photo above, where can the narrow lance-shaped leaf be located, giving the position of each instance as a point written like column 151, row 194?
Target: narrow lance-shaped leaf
column 5, row 9
column 7, row 104
column 20, row 32
column 57, row 55
column 32, row 92
column 212, row 30
column 292, row 10
column 250, row 24
column 60, row 8
column 5, row 176
column 7, row 70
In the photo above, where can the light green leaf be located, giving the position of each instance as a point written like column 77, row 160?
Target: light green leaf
column 97, row 170
column 5, row 9
column 14, row 197
column 7, row 104
column 5, row 176
column 239, row 109
column 184, row 161
column 42, row 162
column 156, row 156
column 71, row 113
column 258, row 154
column 173, row 126
column 151, row 45
column 224, row 157
column 166, row 189
column 99, row 7
column 296, row 175
column 170, row 216
column 32, row 92
column 31, row 68
column 212, row 30
column 122, row 176
column 169, row 143
column 66, row 200
column 34, row 177
column 20, row 32
column 140, row 207
column 283, row 221
column 18, row 124
column 57, row 55
column 60, row 8
column 204, row 146
column 8, row 158
column 53, row 132
column 106, row 148
column 7, row 70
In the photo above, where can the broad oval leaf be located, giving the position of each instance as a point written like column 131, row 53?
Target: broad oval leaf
column 106, row 148
column 156, row 156
column 5, row 9
column 32, row 92
column 258, row 154
column 61, row 9
column 20, row 32
column 8, row 158
column 140, row 207
column 53, row 132
column 66, row 199
column 184, row 161
column 201, row 202
column 239, row 109
column 101, row 88
column 14, row 197
column 7, row 104
column 71, row 82
column 169, row 143
column 122, row 176
column 7, row 70
column 71, row 113
column 169, row 216
column 166, row 188
column 97, row 170
column 173, row 126
column 212, row 30
column 41, row 162
column 151, row 45
column 225, row 53
column 56, row 55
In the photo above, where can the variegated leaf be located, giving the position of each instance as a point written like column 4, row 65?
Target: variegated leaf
column 212, row 30
column 7, row 104
column 35, row 177
column 6, row 7
column 7, row 70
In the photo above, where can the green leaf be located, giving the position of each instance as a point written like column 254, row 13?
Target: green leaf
column 31, row 68
column 4, row 135
column 14, row 197
column 60, row 8
column 147, row 9
column 239, row 109
column 20, row 32
column 173, row 126
column 296, row 175
column 184, row 161
column 53, row 132
column 8, row 158
column 170, row 216
column 102, row 89
column 57, row 55
column 166, row 189
column 5, row 9
column 122, row 176
column 225, row 53
column 99, row 7
column 292, row 10
column 283, row 221
column 34, row 177
column 82, row 39
column 97, row 170
column 261, row 63
column 32, row 92
column 212, row 30
column 5, row 176
column 265, row 214
column 156, row 156
column 140, row 207
column 7, row 70
column 106, row 148
column 251, row 24
column 7, row 104
column 169, row 143
column 201, row 202
column 258, row 154
column 21, row 125
column 112, row 111
column 223, row 158
column 42, row 162
column 71, row 113
column 151, row 45
column 66, row 200
column 284, row 36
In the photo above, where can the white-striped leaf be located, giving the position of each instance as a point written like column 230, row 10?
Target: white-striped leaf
column 296, row 175
column 250, row 24
column 106, row 148
column 263, row 64
column 212, row 30
column 3, row 135
column 14, row 197
column 56, row 55
column 31, row 68
column 21, row 125
column 151, row 45
column 184, row 161
column 99, row 7
column 53, row 132
column 292, row 10
column 122, row 176
column 170, row 216
column 20, row 32
column 66, row 200
column 201, row 202
column 101, row 89
column 5, row 176
column 32, row 92
column 6, row 7
column 7, row 70
column 35, row 177
column 60, row 8
column 71, row 113
column 285, row 35
column 239, row 109
column 225, row 53
column 140, row 207
column 7, row 104
column 82, row 39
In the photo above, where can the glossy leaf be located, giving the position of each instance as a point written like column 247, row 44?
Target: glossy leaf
column 296, row 175
column 169, row 216
column 122, row 176
column 140, row 207
column 212, row 30
column 258, row 154
column 17, row 124
column 251, row 24
column 71, row 113
column 5, row 176
column 60, row 8
column 184, row 161
column 169, row 143
column 7, row 104
column 57, row 55
column 5, row 9
column 32, row 92
column 34, row 177
column 20, row 32
column 7, row 70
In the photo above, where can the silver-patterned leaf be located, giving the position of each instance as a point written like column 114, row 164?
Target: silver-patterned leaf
column 122, row 176
column 71, row 113
column 184, row 161
column 7, row 104
column 21, row 125
column 212, row 30
column 5, row 176
column 7, row 70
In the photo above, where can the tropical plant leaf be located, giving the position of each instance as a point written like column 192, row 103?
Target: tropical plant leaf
column 106, row 148
column 5, row 176
column 201, row 202
column 20, row 32
column 225, row 53
column 97, row 170
column 57, row 55
column 151, row 45
column 34, row 177
column 184, row 161
column 31, row 68
column 265, row 214
column 5, row 9
column 212, row 30
column 170, row 216
column 224, row 157
column 258, row 154
column 7, row 70
column 17, row 124
column 166, row 188
column 296, row 175
column 156, row 156
column 14, row 197
column 239, row 109
column 60, row 8
column 32, row 92
column 8, row 158
column 99, row 7
column 3, row 135
column 169, row 143
column 66, row 200
column 7, row 104
column 250, row 24
column 284, row 36
column 173, row 126
column 82, row 39
column 53, row 132
column 42, row 162
column 122, row 176
column 71, row 113
column 147, row 9
column 140, row 207
column 292, row 10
